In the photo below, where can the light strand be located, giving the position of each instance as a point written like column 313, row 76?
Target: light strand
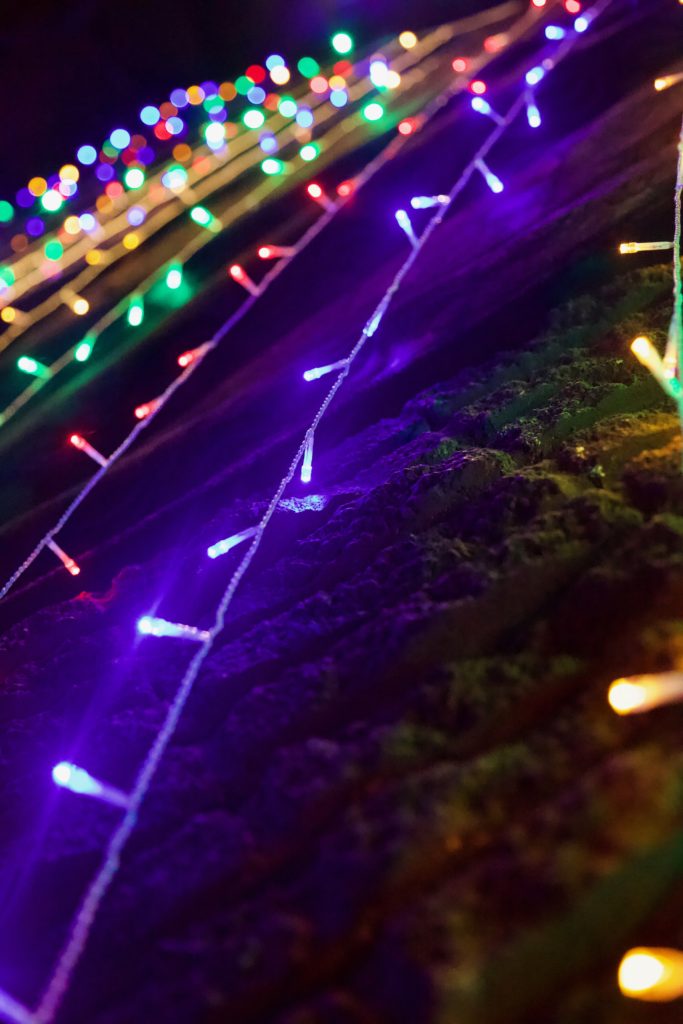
column 426, row 202
column 84, row 446
column 307, row 461
column 630, row 247
column 432, row 42
column 652, row 973
column 69, row 564
column 149, row 625
column 404, row 222
column 633, row 695
column 78, row 780
column 321, row 371
column 222, row 547
column 85, row 917
column 373, row 167
column 428, row 44
column 491, row 179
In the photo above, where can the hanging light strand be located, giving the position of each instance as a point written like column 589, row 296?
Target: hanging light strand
column 77, row 939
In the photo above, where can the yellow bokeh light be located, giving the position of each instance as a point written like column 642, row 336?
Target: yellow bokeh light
column 666, row 81
column 131, row 240
column 72, row 225
column 80, row 306
column 69, row 172
column 182, row 153
column 37, row 186
column 634, row 694
column 337, row 82
column 392, row 79
column 103, row 204
column 642, row 348
column 407, row 40
column 639, row 972
column 652, row 974
column 195, row 95
column 625, row 697
column 8, row 314
column 93, row 257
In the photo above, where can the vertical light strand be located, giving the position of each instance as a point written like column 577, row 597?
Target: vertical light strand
column 677, row 317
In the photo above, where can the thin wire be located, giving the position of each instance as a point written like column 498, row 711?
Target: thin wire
column 678, row 287
column 375, row 165
column 676, row 327
column 205, row 184
column 84, row 920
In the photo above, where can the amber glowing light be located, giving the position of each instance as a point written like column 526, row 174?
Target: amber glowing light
column 652, row 973
column 631, row 695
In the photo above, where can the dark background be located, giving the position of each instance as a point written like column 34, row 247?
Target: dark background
column 72, row 71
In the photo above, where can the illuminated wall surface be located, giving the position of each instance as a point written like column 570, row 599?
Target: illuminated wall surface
column 340, row 421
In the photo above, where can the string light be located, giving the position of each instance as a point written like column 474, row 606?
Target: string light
column 27, row 364
column 78, row 780
column 76, row 303
column 629, row 247
column 636, row 694
column 12, row 315
column 534, row 76
column 582, row 22
column 482, row 106
column 342, row 42
column 200, row 215
column 84, row 349
column 307, row 462
column 321, row 371
column 492, row 180
column 407, row 40
column 653, row 974
column 239, row 274
column 373, row 111
column 174, row 276
column 316, row 192
column 404, row 222
column 222, row 547
column 79, row 933
column 276, row 252
column 68, row 562
column 646, row 353
column 148, row 625
column 136, row 310
column 533, row 114
column 193, row 355
column 666, row 81
column 425, row 202
column 83, row 446
column 673, row 344
column 143, row 411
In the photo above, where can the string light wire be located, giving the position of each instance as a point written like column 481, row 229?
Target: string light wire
column 393, row 147
column 228, row 217
column 87, row 912
column 202, row 185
